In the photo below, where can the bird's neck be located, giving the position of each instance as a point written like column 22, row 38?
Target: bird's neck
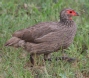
column 67, row 22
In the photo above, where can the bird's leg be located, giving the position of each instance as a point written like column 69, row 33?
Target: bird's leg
column 32, row 59
column 32, row 62
column 47, row 57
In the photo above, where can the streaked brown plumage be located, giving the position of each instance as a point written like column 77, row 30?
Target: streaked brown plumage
column 45, row 38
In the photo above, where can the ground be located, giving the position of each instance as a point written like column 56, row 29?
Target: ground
column 19, row 14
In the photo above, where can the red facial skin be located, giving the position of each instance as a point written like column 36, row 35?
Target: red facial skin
column 72, row 13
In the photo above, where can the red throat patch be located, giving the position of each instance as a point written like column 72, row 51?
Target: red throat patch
column 70, row 18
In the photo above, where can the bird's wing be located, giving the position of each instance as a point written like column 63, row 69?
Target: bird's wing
column 31, row 33
column 50, row 37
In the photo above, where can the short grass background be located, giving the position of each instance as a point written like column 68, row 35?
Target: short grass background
column 19, row 14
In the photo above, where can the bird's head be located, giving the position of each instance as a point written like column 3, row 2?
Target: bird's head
column 68, row 13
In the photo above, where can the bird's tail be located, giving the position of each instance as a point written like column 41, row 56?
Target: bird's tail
column 15, row 42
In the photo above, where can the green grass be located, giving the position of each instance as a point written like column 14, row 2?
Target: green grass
column 14, row 15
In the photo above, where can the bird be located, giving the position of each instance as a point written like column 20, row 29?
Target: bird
column 46, row 37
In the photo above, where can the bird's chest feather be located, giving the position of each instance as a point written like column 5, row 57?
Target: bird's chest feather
column 66, row 35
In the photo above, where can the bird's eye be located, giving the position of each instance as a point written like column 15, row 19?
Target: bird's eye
column 70, row 11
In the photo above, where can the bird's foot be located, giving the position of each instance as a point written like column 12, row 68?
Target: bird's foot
column 68, row 59
column 65, row 58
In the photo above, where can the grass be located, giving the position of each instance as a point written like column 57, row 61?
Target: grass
column 19, row 14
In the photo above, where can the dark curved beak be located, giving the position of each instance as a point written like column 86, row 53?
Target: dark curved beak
column 77, row 14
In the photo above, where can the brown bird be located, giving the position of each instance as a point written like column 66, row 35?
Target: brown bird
column 45, row 38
